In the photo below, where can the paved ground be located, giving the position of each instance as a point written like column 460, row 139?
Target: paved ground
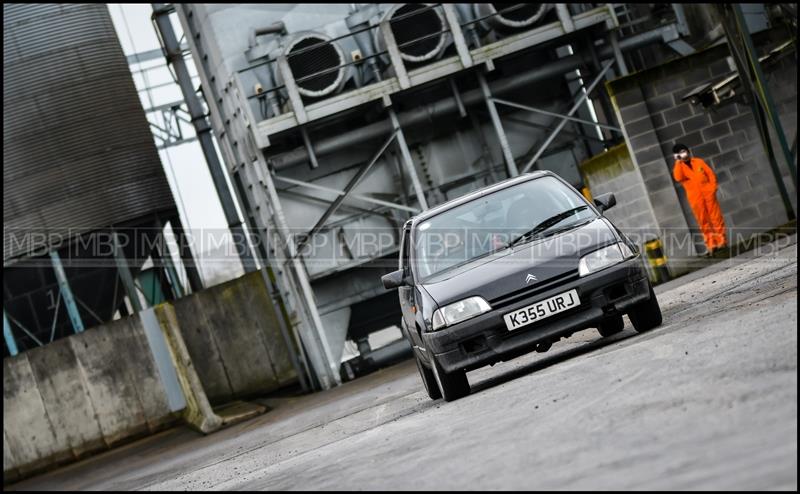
column 706, row 401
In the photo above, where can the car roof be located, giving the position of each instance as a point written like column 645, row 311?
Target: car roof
column 489, row 189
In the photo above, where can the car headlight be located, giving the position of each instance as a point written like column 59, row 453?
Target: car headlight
column 459, row 311
column 603, row 258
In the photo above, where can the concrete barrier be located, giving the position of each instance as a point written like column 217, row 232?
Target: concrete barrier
column 134, row 376
column 80, row 395
column 232, row 334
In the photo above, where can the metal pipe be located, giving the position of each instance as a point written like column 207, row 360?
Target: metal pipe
column 274, row 28
column 448, row 105
column 11, row 343
column 202, row 129
column 66, row 293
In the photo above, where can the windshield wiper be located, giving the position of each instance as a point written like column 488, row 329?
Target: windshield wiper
column 544, row 225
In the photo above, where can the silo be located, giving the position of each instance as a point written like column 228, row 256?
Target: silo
column 78, row 159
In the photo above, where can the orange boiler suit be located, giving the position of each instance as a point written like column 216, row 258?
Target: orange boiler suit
column 700, row 184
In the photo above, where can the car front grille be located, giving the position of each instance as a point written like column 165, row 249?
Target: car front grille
column 530, row 291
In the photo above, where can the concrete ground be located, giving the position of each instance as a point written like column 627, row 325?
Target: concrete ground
column 706, row 401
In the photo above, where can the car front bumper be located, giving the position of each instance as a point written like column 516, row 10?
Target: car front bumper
column 484, row 339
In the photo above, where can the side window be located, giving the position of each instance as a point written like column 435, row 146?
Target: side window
column 404, row 248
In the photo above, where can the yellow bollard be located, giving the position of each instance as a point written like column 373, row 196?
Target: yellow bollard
column 657, row 259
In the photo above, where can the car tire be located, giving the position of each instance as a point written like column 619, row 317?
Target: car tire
column 646, row 315
column 428, row 380
column 611, row 326
column 454, row 385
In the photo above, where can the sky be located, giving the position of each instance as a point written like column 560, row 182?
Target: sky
column 184, row 165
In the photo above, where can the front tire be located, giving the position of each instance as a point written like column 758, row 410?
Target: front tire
column 454, row 385
column 646, row 315
column 428, row 380
column 611, row 326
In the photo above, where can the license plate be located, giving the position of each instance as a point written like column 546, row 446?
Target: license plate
column 541, row 310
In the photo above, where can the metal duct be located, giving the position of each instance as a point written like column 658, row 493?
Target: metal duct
column 523, row 16
column 413, row 21
column 311, row 53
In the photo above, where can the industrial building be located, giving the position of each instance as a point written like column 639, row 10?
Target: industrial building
column 336, row 123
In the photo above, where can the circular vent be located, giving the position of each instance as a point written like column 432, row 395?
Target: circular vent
column 312, row 54
column 519, row 15
column 411, row 23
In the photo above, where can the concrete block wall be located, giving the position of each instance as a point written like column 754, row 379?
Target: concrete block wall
column 651, row 174
column 654, row 117
column 80, row 395
column 614, row 172
column 232, row 334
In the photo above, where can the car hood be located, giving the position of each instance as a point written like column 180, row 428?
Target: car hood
column 507, row 271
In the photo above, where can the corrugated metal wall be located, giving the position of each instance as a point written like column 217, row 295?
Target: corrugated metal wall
column 77, row 148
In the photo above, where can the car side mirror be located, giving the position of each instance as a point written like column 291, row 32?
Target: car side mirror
column 605, row 201
column 394, row 279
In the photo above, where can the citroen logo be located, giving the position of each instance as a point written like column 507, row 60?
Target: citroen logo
column 530, row 278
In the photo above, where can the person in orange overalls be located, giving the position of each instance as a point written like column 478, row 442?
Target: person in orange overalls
column 700, row 184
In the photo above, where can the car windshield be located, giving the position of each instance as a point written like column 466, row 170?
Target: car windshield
column 491, row 223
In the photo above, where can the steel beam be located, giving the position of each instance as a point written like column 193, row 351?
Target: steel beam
column 583, row 97
column 511, row 165
column 162, row 250
column 189, row 263
column 24, row 329
column 11, row 343
column 342, row 193
column 552, row 114
column 327, row 368
column 550, row 128
column 458, row 36
column 457, row 96
column 295, row 100
column 621, row 65
column 565, row 17
column 762, row 89
column 394, row 55
column 312, row 156
column 402, row 145
column 66, row 293
column 350, row 185
column 125, row 274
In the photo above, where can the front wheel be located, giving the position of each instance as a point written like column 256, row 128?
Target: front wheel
column 428, row 380
column 646, row 315
column 611, row 326
column 454, row 385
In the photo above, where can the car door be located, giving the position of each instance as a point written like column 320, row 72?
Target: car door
column 406, row 292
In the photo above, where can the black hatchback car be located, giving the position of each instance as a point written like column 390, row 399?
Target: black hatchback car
column 509, row 269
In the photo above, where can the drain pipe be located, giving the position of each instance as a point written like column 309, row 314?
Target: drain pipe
column 448, row 105
column 203, row 130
